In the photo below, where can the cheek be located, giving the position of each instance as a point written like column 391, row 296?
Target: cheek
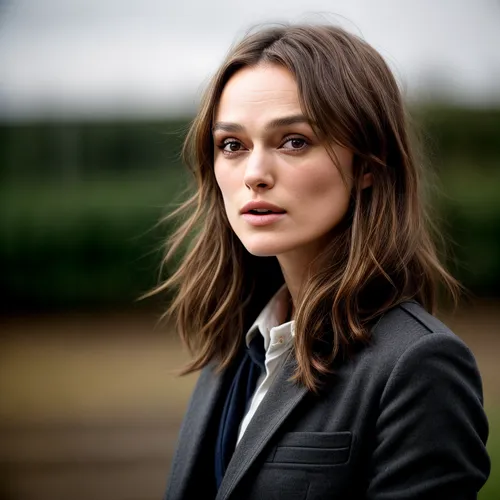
column 322, row 189
column 223, row 181
column 218, row 176
column 227, row 178
column 322, row 186
column 227, row 185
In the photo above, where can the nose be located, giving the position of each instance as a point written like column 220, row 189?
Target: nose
column 259, row 171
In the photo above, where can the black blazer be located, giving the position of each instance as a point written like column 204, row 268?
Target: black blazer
column 403, row 419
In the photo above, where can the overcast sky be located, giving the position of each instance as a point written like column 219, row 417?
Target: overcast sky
column 90, row 58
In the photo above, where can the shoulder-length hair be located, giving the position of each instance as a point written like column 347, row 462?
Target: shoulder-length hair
column 381, row 254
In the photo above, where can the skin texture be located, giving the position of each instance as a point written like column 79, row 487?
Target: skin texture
column 286, row 165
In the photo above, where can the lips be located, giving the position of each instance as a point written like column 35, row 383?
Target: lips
column 263, row 219
column 261, row 208
column 262, row 213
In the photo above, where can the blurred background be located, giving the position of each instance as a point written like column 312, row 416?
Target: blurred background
column 95, row 98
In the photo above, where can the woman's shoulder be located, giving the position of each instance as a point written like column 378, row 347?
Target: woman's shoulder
column 406, row 324
column 409, row 336
column 426, row 395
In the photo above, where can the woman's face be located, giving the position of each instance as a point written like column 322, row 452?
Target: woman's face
column 267, row 153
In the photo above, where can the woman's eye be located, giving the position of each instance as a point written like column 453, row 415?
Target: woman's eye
column 231, row 146
column 295, row 143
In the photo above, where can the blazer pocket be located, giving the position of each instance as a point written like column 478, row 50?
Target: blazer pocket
column 313, row 448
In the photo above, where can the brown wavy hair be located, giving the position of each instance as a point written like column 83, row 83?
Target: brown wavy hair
column 380, row 255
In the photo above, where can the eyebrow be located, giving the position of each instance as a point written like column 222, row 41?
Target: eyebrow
column 276, row 123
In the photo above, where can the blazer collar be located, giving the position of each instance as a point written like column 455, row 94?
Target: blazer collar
column 283, row 396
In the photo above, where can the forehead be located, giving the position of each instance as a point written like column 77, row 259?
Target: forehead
column 256, row 91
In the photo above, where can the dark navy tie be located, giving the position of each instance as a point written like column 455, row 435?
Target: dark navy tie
column 240, row 392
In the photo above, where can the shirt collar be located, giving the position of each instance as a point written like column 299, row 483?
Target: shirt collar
column 273, row 315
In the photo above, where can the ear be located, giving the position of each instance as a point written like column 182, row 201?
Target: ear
column 367, row 180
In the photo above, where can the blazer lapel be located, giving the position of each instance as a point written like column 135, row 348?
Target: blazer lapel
column 283, row 396
column 193, row 428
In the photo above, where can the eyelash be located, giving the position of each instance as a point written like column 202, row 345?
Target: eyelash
column 225, row 142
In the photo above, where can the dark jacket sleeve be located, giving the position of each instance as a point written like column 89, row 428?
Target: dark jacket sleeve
column 431, row 428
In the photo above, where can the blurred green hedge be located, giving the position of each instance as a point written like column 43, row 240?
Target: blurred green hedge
column 72, row 151
column 80, row 203
column 469, row 209
column 95, row 243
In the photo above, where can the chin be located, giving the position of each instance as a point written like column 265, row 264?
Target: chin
column 262, row 252
column 264, row 248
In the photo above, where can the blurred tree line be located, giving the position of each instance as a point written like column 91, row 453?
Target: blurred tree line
column 80, row 204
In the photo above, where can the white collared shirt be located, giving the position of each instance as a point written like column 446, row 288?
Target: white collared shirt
column 278, row 340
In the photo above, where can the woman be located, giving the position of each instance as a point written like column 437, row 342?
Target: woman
column 307, row 290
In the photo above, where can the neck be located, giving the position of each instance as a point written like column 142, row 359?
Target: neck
column 293, row 283
column 294, row 271
column 296, row 265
